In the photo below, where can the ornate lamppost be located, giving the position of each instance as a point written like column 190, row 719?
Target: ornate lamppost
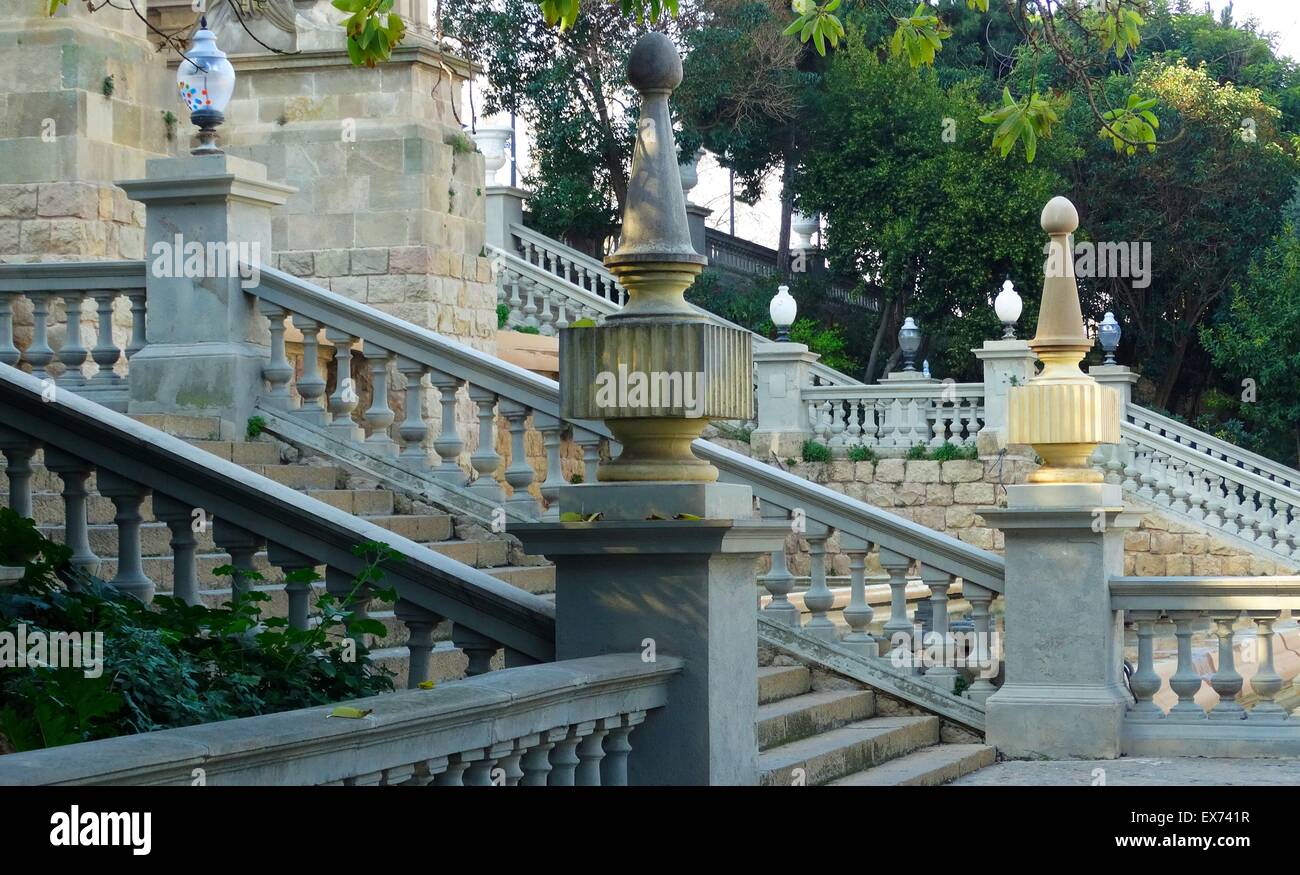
column 205, row 82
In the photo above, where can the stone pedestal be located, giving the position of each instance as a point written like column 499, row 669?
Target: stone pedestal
column 504, row 207
column 668, row 587
column 782, row 371
column 1119, row 378
column 1064, row 696
column 894, row 377
column 206, row 343
column 1007, row 363
column 695, row 218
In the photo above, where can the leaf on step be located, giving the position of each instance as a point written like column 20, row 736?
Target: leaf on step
column 687, row 516
column 574, row 517
column 350, row 713
column 427, row 685
column 655, row 516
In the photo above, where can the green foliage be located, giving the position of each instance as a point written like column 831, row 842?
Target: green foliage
column 862, row 454
column 372, row 28
column 254, row 427
column 576, row 479
column 918, row 36
column 948, row 451
column 815, row 452
column 565, row 12
column 108, row 86
column 1134, row 124
column 916, row 452
column 171, row 664
column 461, row 144
column 817, row 22
column 527, row 329
column 1027, row 120
column 503, row 315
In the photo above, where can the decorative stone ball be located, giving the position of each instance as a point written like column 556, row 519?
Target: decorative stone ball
column 654, row 64
column 1060, row 216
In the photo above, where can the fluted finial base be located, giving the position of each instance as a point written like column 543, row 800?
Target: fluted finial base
column 1063, row 414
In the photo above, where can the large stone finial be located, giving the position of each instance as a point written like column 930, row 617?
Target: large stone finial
column 1062, row 412
column 654, row 218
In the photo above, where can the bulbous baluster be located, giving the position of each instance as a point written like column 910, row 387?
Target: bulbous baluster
column 414, row 430
column 982, row 659
column 420, row 625
column 1266, row 683
column 613, row 769
column 127, row 497
column 519, row 474
column 1214, row 501
column 898, row 628
column 858, row 614
column 38, row 354
column 279, row 370
column 944, row 673
column 243, row 547
column 379, row 416
column 73, row 353
column 74, row 472
column 818, row 599
column 1186, row 682
column 779, row 583
column 343, row 400
column 1145, row 682
column 105, row 353
column 299, row 571
column 138, row 336
column 18, row 451
column 448, row 444
column 485, row 458
column 182, row 522
column 564, row 759
column 1227, row 681
column 311, row 385
column 9, row 353
column 552, row 437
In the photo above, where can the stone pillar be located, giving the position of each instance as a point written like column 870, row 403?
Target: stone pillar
column 781, row 373
column 504, row 207
column 206, row 343
column 1007, row 363
column 1063, row 695
column 670, row 567
column 1119, row 378
column 695, row 218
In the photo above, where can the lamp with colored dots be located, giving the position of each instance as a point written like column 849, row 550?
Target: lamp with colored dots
column 205, row 81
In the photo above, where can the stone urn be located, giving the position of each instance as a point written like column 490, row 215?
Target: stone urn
column 491, row 140
column 803, row 227
column 690, row 171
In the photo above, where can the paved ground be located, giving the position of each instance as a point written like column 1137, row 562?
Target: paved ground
column 1125, row 772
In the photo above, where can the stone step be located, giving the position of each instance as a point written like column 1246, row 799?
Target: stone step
column 359, row 502
column 811, row 713
column 777, row 682
column 841, row 752
column 301, row 476
column 179, row 425
column 423, row 529
column 536, row 579
column 925, row 768
column 242, row 452
column 480, row 554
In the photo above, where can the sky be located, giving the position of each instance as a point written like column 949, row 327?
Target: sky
column 761, row 222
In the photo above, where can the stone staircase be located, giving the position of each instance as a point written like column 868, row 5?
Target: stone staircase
column 820, row 729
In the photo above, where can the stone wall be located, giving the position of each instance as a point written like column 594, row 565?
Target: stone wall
column 946, row 497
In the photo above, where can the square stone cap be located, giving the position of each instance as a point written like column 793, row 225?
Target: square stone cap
column 1117, row 518
column 204, row 179
column 653, row 537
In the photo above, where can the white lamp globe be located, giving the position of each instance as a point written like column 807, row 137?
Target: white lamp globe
column 783, row 309
column 205, row 82
column 1008, row 306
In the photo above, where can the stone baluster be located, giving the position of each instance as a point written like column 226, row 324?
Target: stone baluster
column 858, row 614
column 1131, row 470
column 181, row 521
column 414, row 430
column 536, row 763
column 379, row 416
column 983, row 657
column 943, row 675
column 1231, row 507
column 836, row 438
column 510, row 763
column 897, row 565
column 457, row 765
column 869, row 430
column 349, row 593
column 478, row 649
column 279, row 370
column 1214, row 503
column 73, row 353
column 420, row 625
column 343, row 400
column 1163, row 483
column 9, row 354
column 853, row 437
column 1282, row 531
column 105, row 354
column 590, row 444
column 516, row 304
column 818, row 598
column 1185, row 680
column 242, row 546
column 613, row 769
column 530, row 308
column 138, row 337
column 127, row 497
column 1178, row 486
column 1197, row 494
column 1266, row 683
column 1145, row 682
column 552, row 430
column 480, row 771
column 299, row 573
column 561, row 312
column 1263, row 518
column 564, row 759
column 74, row 473
column 485, row 458
column 448, row 444
column 779, row 583
column 311, row 385
column 1227, row 681
column 939, row 430
column 1146, row 464
column 519, row 474
column 591, row 750
column 546, row 318
column 18, row 450
column 38, row 354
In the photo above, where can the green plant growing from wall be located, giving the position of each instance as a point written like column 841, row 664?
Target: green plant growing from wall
column 254, row 427
column 815, row 452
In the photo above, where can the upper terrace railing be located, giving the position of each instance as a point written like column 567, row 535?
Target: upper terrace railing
column 563, row 724
column 133, row 462
column 900, row 415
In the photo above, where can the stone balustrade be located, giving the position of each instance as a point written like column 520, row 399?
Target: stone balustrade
column 564, row 724
column 898, row 416
column 568, row 264
column 537, row 298
column 1226, row 713
column 138, row 467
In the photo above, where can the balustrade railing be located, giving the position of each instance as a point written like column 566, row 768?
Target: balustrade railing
column 88, row 293
column 1240, row 616
column 538, row 298
column 1195, row 440
column 568, row 264
column 568, row 723
column 888, row 416
column 149, row 474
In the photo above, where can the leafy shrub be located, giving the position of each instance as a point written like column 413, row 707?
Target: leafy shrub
column 254, row 428
column 916, row 452
column 815, row 452
column 170, row 664
column 863, row 454
column 527, row 329
column 503, row 315
column 948, row 451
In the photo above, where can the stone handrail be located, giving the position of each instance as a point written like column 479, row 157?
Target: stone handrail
column 1214, row 492
column 563, row 724
column 1236, row 725
column 737, row 255
column 133, row 462
column 895, row 414
column 540, row 299
column 75, row 283
column 1206, row 444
